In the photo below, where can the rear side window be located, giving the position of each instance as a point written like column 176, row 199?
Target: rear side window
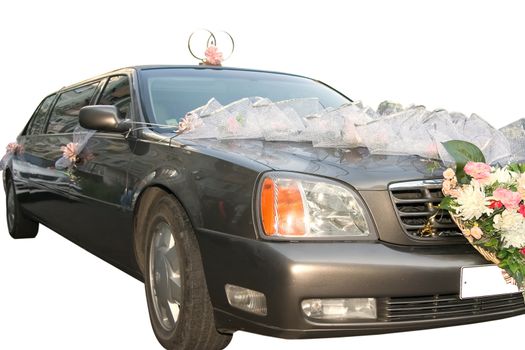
column 117, row 93
column 64, row 117
column 38, row 122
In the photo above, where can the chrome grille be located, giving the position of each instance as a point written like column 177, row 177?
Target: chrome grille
column 447, row 306
column 415, row 202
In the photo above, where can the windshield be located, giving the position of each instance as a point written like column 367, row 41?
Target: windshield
column 169, row 93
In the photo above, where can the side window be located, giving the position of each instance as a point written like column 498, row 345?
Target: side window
column 38, row 121
column 64, row 117
column 117, row 93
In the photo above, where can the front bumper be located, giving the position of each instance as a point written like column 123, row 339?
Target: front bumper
column 425, row 278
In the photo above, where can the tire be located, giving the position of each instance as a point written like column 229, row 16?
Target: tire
column 179, row 305
column 20, row 226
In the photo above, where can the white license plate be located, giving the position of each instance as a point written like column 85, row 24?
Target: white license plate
column 485, row 280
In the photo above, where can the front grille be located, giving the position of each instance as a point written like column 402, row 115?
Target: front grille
column 415, row 202
column 446, row 306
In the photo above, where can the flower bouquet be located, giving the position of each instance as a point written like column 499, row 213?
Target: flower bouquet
column 488, row 205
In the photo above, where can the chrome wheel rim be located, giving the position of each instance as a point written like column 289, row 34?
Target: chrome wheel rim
column 164, row 276
column 10, row 207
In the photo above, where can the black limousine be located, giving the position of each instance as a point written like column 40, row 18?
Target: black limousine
column 216, row 229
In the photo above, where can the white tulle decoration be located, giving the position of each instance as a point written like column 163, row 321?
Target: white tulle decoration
column 238, row 120
column 336, row 127
column 204, row 118
column 389, row 130
column 515, row 134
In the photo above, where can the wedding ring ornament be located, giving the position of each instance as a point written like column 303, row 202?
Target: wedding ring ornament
column 207, row 42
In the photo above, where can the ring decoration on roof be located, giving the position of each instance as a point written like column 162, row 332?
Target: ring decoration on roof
column 211, row 54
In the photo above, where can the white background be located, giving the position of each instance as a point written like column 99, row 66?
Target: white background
column 466, row 56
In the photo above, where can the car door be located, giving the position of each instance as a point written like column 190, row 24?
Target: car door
column 48, row 187
column 100, row 203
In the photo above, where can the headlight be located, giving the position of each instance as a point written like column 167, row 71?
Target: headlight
column 297, row 206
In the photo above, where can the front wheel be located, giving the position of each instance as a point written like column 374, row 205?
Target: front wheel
column 179, row 305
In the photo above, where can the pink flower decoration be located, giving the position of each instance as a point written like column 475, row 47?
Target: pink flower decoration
column 479, row 171
column 11, row 148
column 449, row 188
column 189, row 123
column 476, row 232
column 509, row 199
column 449, row 174
column 70, row 151
column 213, row 56
column 522, row 251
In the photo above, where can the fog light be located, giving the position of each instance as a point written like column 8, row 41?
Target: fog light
column 340, row 309
column 246, row 299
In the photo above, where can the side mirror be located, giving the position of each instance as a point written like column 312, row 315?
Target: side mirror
column 103, row 118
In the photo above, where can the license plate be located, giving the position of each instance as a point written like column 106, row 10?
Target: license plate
column 485, row 280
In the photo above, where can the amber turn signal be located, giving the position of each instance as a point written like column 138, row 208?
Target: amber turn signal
column 282, row 208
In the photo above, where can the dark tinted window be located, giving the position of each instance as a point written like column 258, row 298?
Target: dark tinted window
column 64, row 117
column 38, row 122
column 117, row 93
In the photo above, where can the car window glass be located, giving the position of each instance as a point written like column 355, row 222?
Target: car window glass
column 64, row 117
column 38, row 122
column 117, row 93
column 171, row 93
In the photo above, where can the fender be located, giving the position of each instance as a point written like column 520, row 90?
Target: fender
column 212, row 187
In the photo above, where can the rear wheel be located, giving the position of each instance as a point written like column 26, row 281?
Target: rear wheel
column 19, row 225
column 179, row 305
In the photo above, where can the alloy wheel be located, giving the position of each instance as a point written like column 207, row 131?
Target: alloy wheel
column 165, row 276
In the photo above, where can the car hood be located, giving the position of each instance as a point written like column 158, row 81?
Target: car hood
column 355, row 166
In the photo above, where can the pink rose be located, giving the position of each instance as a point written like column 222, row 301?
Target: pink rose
column 509, row 199
column 189, row 123
column 213, row 56
column 479, row 171
column 449, row 174
column 70, row 151
column 476, row 232
column 449, row 188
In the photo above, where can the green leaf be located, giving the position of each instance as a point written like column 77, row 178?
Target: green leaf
column 502, row 254
column 517, row 167
column 447, row 203
column 463, row 152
